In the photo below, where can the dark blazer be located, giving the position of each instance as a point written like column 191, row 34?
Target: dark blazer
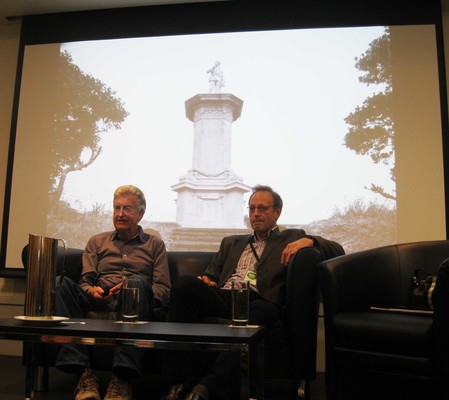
column 271, row 274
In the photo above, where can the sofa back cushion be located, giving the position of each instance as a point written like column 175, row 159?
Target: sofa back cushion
column 380, row 276
column 180, row 262
column 188, row 263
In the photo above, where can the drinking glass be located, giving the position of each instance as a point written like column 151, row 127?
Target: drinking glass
column 240, row 303
column 130, row 300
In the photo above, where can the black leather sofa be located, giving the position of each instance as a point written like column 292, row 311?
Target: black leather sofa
column 372, row 354
column 293, row 362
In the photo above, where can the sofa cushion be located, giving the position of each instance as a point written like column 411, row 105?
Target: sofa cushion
column 382, row 364
column 384, row 332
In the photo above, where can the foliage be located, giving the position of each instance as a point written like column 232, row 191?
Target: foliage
column 85, row 108
column 371, row 127
column 358, row 227
column 75, row 226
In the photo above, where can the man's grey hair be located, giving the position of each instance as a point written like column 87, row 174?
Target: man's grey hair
column 126, row 190
column 277, row 200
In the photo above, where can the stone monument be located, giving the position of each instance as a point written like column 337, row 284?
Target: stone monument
column 210, row 195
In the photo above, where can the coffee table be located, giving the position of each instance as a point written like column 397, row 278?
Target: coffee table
column 151, row 335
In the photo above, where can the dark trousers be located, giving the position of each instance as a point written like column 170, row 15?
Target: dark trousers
column 192, row 301
column 71, row 301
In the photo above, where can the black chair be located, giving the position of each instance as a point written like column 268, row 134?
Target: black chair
column 440, row 298
column 292, row 364
column 374, row 354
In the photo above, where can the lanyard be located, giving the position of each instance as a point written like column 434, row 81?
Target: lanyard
column 253, row 249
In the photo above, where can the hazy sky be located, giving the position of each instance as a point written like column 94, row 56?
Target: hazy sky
column 297, row 88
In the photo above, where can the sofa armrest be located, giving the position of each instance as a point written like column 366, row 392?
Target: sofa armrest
column 301, row 312
column 355, row 282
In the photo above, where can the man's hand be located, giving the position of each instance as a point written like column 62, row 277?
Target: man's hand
column 207, row 281
column 115, row 289
column 294, row 247
column 99, row 294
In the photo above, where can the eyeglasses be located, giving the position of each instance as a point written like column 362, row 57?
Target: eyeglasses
column 125, row 209
column 261, row 209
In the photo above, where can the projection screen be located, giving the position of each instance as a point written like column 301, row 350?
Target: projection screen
column 344, row 122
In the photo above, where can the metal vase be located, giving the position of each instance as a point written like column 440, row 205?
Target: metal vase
column 41, row 275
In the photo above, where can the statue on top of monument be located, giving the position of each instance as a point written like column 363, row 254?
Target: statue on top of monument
column 216, row 78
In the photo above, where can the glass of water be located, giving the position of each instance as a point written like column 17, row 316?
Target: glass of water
column 240, row 303
column 130, row 300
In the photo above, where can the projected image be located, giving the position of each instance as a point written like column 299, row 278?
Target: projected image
column 195, row 121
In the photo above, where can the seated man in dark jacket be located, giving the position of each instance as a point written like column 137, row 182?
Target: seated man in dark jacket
column 262, row 256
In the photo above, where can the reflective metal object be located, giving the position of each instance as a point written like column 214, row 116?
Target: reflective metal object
column 41, row 275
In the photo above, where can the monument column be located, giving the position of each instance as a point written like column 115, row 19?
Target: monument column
column 210, row 195
column 212, row 115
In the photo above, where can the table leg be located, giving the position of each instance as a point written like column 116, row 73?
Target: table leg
column 31, row 349
column 245, row 377
column 260, row 369
column 252, row 366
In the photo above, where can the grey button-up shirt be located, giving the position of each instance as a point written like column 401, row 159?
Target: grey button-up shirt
column 108, row 258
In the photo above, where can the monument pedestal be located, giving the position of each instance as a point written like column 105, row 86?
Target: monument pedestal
column 210, row 202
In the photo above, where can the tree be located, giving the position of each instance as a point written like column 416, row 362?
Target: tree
column 84, row 109
column 358, row 226
column 371, row 129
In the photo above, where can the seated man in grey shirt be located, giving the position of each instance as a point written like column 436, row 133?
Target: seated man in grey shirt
column 109, row 258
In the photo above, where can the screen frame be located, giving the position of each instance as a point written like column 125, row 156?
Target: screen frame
column 219, row 17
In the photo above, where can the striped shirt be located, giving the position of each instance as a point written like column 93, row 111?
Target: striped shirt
column 248, row 263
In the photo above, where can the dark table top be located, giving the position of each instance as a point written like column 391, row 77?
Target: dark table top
column 11, row 328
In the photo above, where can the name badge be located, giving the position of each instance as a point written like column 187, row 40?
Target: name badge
column 251, row 276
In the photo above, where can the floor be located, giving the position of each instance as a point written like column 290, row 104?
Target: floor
column 12, row 384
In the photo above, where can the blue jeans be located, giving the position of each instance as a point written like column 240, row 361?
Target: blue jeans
column 71, row 301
